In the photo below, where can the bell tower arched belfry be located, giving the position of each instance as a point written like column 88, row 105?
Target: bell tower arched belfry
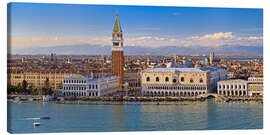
column 118, row 51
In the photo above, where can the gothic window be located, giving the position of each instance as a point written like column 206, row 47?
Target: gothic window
column 148, row 79
column 191, row 80
column 201, row 80
column 182, row 79
column 167, row 79
column 157, row 79
column 174, row 80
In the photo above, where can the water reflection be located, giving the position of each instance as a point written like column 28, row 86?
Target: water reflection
column 136, row 117
column 118, row 118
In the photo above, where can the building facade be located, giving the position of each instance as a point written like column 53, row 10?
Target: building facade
column 216, row 74
column 175, row 82
column 37, row 79
column 118, row 51
column 236, row 87
column 133, row 79
column 87, row 85
column 255, row 86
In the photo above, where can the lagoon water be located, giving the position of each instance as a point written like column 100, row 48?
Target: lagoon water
column 131, row 116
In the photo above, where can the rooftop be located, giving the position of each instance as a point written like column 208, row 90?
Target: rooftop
column 90, row 77
column 175, row 70
column 211, row 68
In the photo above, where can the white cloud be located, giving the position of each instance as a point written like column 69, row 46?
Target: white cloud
column 144, row 38
column 212, row 39
column 56, row 41
column 159, row 38
column 215, row 36
column 225, row 38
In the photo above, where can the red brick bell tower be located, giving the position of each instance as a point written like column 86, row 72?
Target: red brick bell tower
column 118, row 51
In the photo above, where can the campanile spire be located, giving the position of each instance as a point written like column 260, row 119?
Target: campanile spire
column 118, row 51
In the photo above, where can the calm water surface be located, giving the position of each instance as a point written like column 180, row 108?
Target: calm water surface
column 134, row 117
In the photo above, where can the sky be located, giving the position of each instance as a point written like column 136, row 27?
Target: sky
column 48, row 25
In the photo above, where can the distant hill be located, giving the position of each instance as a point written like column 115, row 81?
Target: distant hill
column 106, row 49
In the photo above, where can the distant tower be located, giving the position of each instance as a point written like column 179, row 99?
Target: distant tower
column 184, row 60
column 23, row 59
column 118, row 51
column 212, row 55
column 52, row 57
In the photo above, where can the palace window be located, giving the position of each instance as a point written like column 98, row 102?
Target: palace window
column 191, row 80
column 157, row 79
column 182, row 79
column 201, row 80
column 148, row 79
column 174, row 80
column 167, row 79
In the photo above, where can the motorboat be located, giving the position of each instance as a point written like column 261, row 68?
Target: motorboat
column 36, row 124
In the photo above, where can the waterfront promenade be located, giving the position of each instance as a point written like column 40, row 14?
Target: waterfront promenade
column 216, row 97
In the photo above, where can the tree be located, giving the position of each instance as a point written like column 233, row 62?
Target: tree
column 47, row 89
column 24, row 85
column 47, row 83
column 18, row 88
column 11, row 89
column 39, row 90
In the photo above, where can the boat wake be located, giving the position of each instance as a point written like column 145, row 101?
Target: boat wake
column 38, row 118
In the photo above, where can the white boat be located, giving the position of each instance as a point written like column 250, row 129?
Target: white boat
column 36, row 124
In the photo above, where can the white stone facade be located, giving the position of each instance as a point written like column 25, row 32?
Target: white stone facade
column 236, row 87
column 174, row 82
column 85, row 85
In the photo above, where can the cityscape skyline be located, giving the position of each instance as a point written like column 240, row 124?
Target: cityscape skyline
column 186, row 28
column 140, row 75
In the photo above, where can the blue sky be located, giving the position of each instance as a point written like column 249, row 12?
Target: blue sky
column 67, row 24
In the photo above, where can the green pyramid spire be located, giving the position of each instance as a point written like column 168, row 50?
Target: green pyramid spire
column 117, row 27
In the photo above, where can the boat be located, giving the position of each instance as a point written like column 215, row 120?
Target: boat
column 36, row 124
column 45, row 118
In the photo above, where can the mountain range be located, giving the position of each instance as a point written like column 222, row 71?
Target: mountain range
column 106, row 49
